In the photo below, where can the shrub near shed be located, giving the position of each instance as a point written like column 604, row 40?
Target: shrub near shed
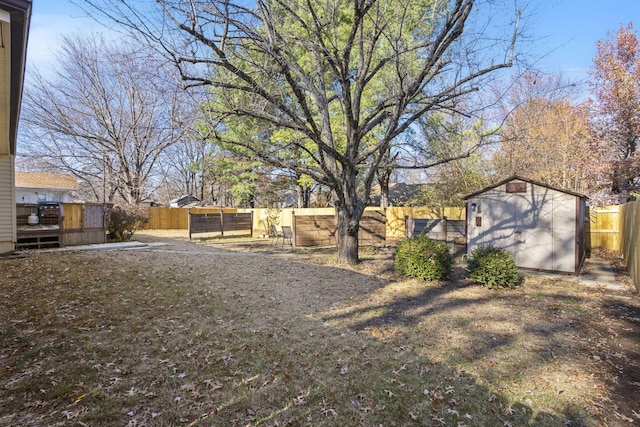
column 423, row 258
column 493, row 268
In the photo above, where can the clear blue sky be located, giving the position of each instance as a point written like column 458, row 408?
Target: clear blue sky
column 565, row 31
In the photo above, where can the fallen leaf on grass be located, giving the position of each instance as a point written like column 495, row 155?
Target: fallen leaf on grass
column 326, row 410
column 188, row 387
column 68, row 414
column 213, row 384
column 624, row 417
column 75, row 402
column 402, row 368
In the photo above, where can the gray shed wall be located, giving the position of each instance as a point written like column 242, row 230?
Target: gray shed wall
column 538, row 227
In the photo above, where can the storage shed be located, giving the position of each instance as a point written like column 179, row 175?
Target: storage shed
column 543, row 227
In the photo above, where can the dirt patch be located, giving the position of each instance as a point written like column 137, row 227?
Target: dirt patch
column 239, row 332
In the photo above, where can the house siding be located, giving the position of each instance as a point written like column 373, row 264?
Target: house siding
column 7, row 205
column 31, row 195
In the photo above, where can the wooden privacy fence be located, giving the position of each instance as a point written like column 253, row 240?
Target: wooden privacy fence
column 321, row 230
column 630, row 225
column 438, row 229
column 221, row 222
column 162, row 218
column 453, row 232
column 604, row 227
column 618, row 228
column 396, row 218
column 85, row 223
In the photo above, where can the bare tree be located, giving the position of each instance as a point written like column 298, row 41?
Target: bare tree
column 106, row 116
column 347, row 75
column 181, row 171
column 615, row 117
column 546, row 135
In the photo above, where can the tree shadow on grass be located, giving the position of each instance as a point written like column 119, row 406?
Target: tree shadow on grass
column 508, row 337
column 118, row 333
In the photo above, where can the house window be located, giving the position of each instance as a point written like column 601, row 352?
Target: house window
column 516, row 187
column 42, row 197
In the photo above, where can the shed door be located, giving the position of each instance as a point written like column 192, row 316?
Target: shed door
column 564, row 233
column 533, row 231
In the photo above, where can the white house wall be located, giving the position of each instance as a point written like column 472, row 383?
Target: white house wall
column 5, row 82
column 7, row 206
column 537, row 227
column 32, row 195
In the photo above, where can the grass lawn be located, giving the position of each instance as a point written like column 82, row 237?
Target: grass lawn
column 219, row 333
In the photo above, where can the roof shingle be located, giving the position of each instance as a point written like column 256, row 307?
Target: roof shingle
column 46, row 180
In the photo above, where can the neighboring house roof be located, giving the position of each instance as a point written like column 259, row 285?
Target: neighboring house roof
column 183, row 200
column 519, row 178
column 42, row 180
column 399, row 193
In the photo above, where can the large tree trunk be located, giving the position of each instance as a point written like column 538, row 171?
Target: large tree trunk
column 348, row 227
column 383, row 175
column 384, row 192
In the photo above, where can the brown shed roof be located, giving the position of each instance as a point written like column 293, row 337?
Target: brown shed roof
column 46, row 180
column 531, row 181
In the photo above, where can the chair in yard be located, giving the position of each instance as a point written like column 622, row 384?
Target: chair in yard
column 276, row 235
column 287, row 234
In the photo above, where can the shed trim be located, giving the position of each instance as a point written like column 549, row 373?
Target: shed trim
column 531, row 181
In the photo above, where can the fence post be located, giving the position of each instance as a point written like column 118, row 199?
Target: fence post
column 293, row 227
column 221, row 221
column 408, row 226
column 444, row 228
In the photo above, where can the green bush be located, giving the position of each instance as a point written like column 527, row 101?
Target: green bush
column 424, row 259
column 125, row 220
column 493, row 268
